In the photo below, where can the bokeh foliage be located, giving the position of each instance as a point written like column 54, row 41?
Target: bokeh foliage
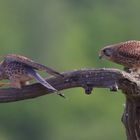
column 66, row 35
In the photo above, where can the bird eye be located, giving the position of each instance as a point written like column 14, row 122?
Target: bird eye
column 107, row 51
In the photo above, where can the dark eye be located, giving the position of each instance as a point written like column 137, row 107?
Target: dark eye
column 107, row 51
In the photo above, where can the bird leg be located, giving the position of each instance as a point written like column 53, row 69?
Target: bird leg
column 133, row 71
column 128, row 70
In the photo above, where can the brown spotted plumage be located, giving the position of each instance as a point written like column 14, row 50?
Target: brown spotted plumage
column 33, row 64
column 20, row 70
column 124, row 53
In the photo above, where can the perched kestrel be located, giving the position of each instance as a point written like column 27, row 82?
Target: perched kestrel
column 19, row 70
column 124, row 53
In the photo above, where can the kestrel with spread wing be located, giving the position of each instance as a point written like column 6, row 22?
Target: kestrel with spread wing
column 124, row 53
column 20, row 70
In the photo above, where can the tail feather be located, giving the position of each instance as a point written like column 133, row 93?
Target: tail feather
column 40, row 79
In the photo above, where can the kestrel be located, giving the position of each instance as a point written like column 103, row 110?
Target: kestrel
column 124, row 53
column 20, row 70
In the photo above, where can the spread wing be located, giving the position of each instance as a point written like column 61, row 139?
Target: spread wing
column 129, row 49
column 31, row 63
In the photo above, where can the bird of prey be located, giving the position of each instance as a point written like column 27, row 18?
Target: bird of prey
column 20, row 70
column 124, row 53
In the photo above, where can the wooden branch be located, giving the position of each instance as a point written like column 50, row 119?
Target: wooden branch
column 86, row 78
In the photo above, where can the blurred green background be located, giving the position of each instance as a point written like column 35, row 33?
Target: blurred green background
column 66, row 35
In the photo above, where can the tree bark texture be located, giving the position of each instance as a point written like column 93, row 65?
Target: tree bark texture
column 88, row 79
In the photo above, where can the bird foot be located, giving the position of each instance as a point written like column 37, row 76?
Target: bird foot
column 128, row 70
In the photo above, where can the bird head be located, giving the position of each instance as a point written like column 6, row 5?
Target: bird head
column 106, row 52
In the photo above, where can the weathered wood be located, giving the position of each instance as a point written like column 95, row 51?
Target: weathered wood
column 88, row 79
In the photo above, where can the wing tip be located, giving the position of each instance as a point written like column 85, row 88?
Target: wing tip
column 60, row 74
column 57, row 74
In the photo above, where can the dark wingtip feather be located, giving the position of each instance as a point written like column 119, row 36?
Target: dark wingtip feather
column 61, row 94
column 55, row 73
